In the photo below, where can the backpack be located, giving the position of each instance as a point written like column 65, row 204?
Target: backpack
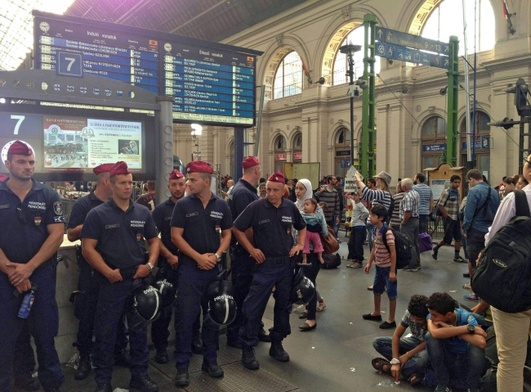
column 331, row 261
column 503, row 275
column 403, row 247
column 435, row 212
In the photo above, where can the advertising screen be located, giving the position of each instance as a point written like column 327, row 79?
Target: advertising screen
column 66, row 147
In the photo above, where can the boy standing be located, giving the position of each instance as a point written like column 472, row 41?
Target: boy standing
column 385, row 277
column 358, row 231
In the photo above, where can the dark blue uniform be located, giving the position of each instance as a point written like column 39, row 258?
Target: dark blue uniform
column 202, row 231
column 242, row 264
column 22, row 233
column 162, row 217
column 272, row 234
column 121, row 244
column 88, row 285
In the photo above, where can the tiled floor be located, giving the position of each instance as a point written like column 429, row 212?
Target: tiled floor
column 336, row 356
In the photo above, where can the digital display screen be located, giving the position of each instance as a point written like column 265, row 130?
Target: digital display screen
column 68, row 146
column 210, row 83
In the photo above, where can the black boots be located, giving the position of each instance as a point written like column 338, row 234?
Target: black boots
column 278, row 352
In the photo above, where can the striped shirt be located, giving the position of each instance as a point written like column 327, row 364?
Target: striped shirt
column 395, row 217
column 331, row 198
column 382, row 258
column 377, row 196
column 426, row 195
column 410, row 203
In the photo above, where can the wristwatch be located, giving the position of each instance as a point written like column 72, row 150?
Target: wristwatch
column 471, row 328
column 395, row 361
column 151, row 266
column 218, row 257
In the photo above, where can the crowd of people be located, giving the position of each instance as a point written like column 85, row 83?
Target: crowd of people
column 269, row 228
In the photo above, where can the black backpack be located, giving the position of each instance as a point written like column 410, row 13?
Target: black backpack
column 403, row 248
column 503, row 275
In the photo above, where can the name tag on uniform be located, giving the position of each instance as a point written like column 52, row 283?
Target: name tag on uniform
column 115, row 226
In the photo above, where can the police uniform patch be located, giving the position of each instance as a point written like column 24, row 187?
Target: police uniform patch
column 37, row 220
column 58, row 208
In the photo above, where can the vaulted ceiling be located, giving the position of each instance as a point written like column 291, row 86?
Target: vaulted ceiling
column 211, row 20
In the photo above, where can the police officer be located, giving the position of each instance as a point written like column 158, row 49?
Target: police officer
column 88, row 285
column 168, row 260
column 113, row 238
column 30, row 235
column 272, row 220
column 242, row 264
column 201, row 224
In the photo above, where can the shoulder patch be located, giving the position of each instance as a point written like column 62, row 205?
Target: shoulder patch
column 57, row 208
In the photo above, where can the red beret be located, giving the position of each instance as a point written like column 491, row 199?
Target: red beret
column 176, row 174
column 277, row 177
column 19, row 148
column 119, row 168
column 103, row 168
column 199, row 167
column 250, row 161
column 2, row 177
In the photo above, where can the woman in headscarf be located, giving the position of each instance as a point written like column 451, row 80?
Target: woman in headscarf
column 303, row 191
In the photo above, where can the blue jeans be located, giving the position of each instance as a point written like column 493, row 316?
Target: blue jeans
column 423, row 223
column 460, row 367
column 416, row 365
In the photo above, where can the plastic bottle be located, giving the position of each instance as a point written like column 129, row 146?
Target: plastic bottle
column 27, row 302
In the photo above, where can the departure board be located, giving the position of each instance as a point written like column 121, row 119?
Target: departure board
column 209, row 82
column 73, row 49
column 210, row 85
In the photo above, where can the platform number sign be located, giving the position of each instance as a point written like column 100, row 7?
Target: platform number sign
column 70, row 64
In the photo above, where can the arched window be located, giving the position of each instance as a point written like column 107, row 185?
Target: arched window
column 355, row 37
column 342, row 152
column 481, row 143
column 280, row 152
column 433, row 139
column 288, row 78
column 480, row 23
column 297, row 147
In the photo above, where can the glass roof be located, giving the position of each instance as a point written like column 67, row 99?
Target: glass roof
column 16, row 28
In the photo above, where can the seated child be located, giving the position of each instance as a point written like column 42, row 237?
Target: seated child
column 455, row 343
column 407, row 353
column 315, row 224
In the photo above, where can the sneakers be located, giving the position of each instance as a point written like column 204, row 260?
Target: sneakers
column 412, row 269
column 372, row 317
column 471, row 297
column 277, row 351
column 388, row 325
column 434, row 253
column 248, row 359
column 459, row 259
column 442, row 389
column 355, row 265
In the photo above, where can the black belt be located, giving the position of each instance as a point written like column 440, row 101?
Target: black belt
column 278, row 260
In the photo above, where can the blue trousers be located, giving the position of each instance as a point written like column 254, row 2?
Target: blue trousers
column 113, row 302
column 416, row 365
column 459, row 367
column 191, row 297
column 43, row 324
column 269, row 274
column 355, row 243
column 242, row 268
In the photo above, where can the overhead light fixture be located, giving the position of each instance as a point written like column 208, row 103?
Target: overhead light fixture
column 197, row 129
